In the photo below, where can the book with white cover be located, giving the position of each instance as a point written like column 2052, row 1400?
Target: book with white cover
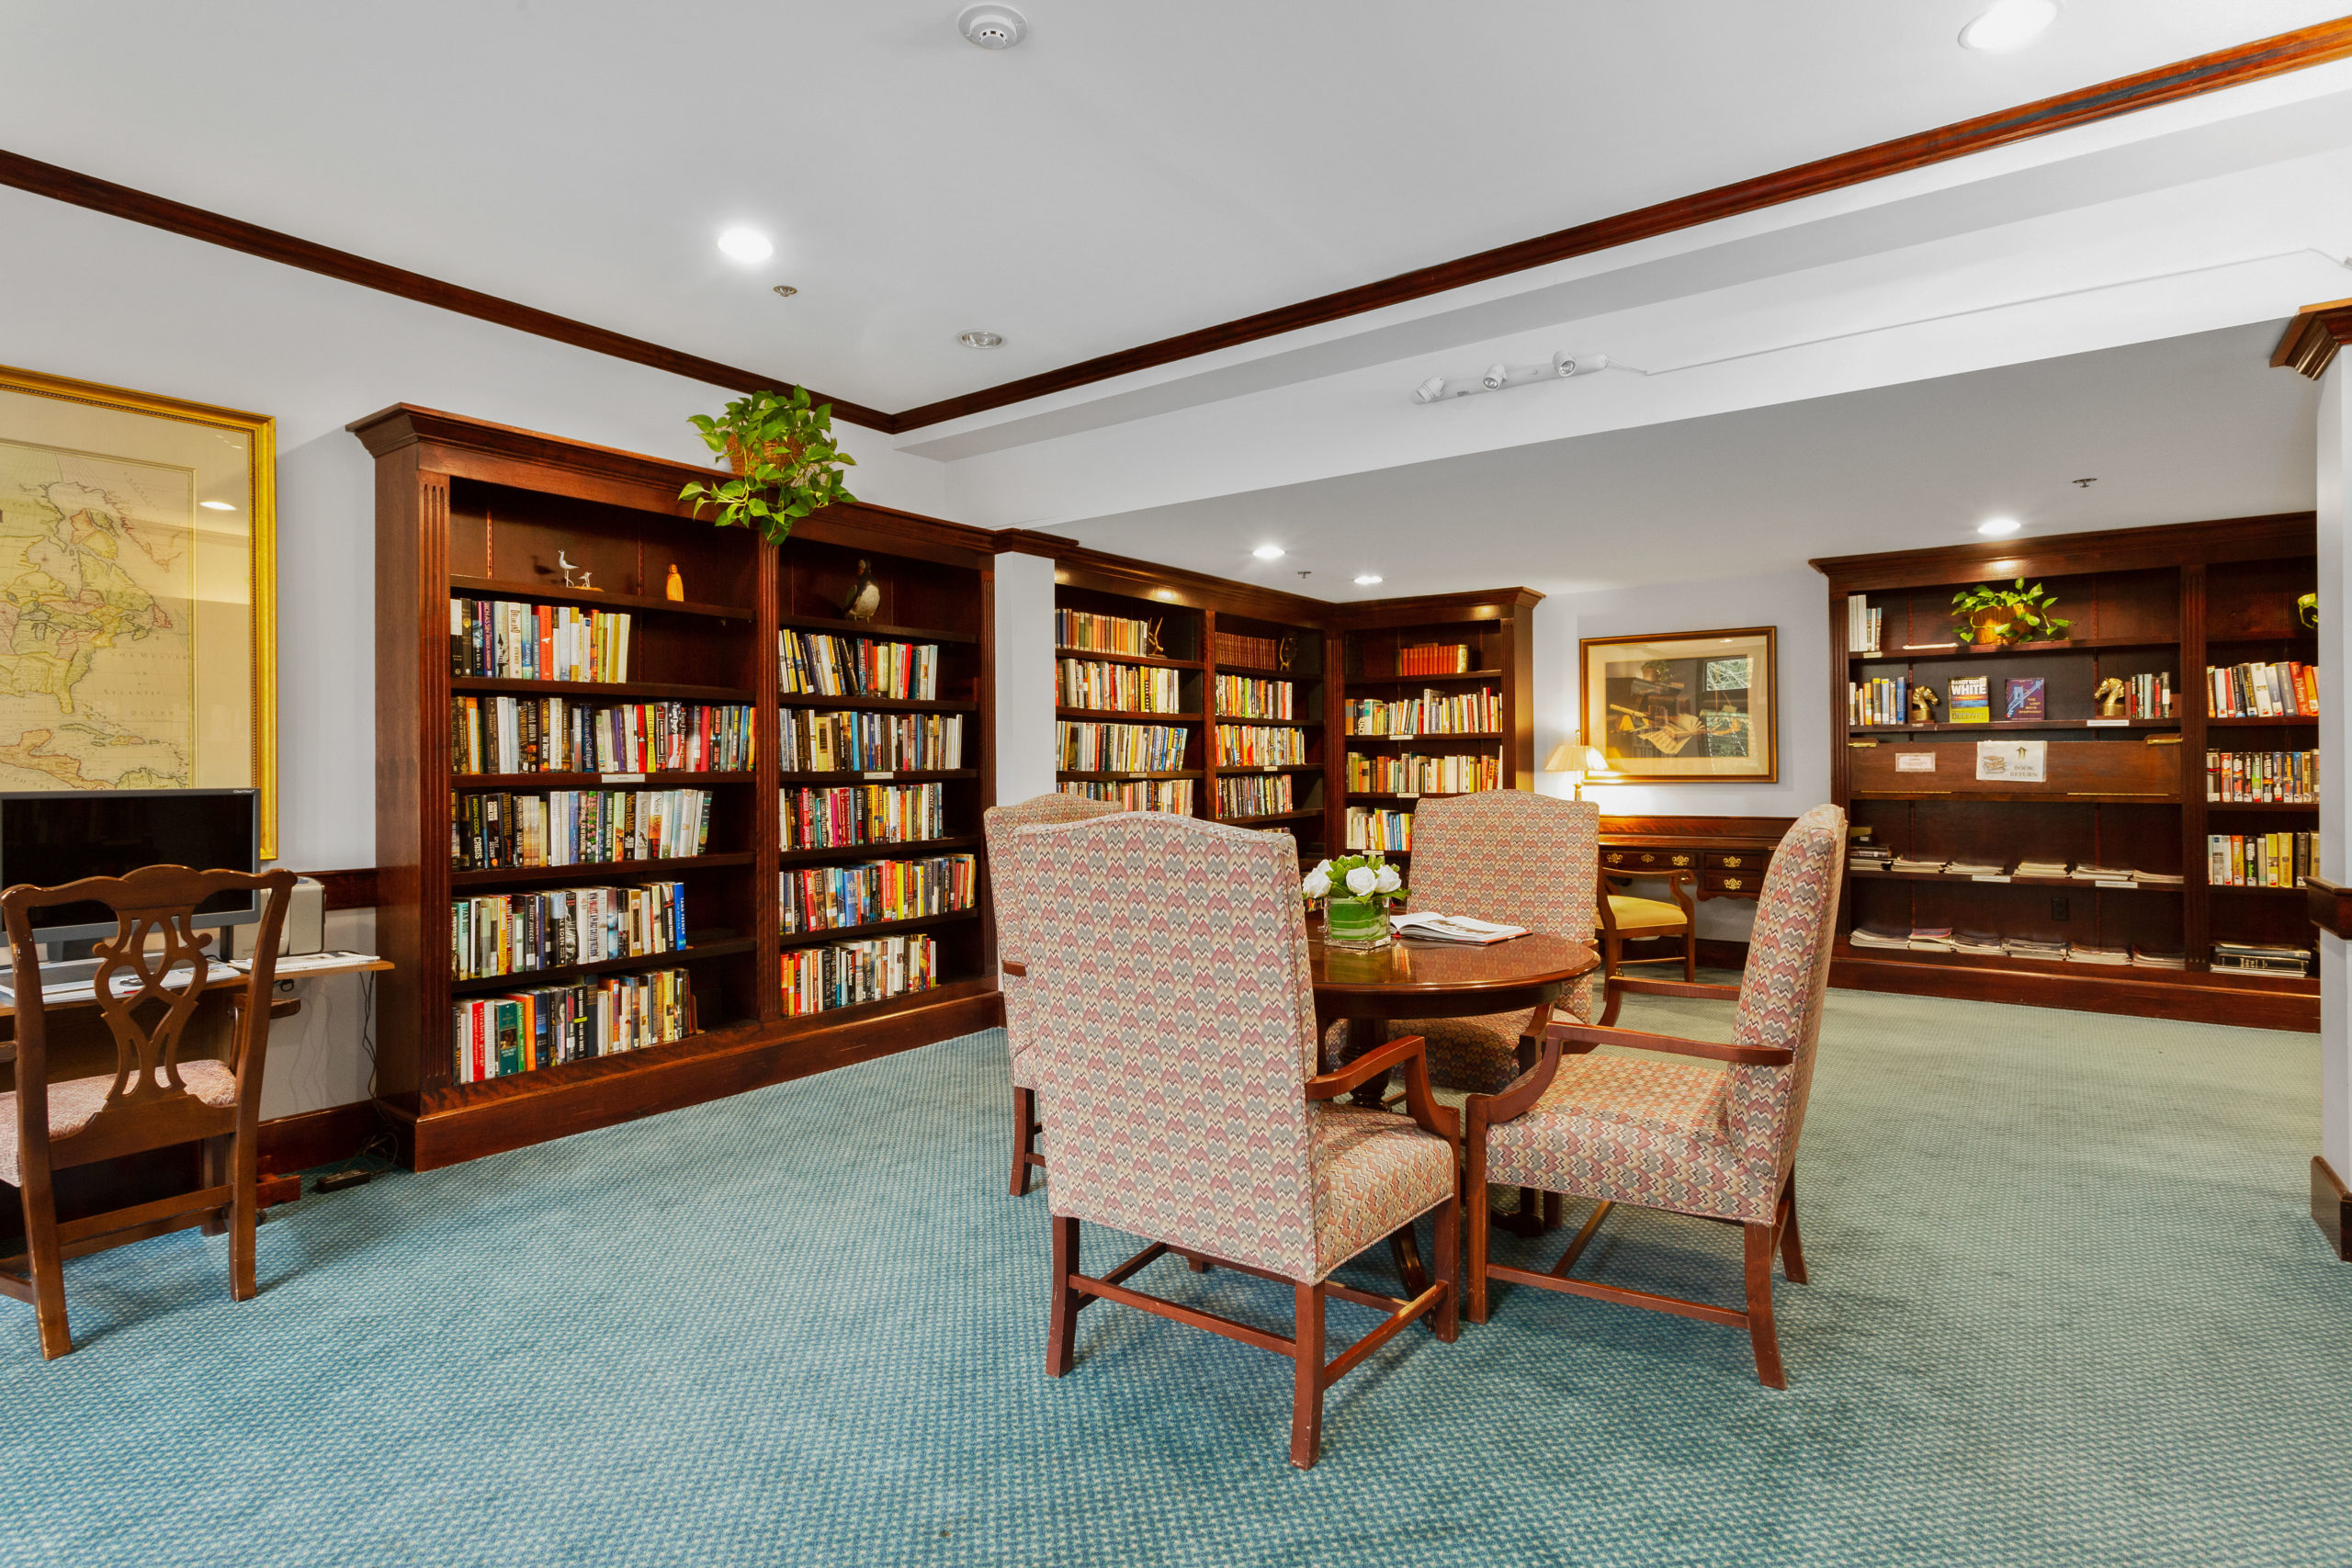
column 1453, row 927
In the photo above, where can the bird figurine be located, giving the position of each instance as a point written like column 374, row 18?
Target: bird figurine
column 864, row 596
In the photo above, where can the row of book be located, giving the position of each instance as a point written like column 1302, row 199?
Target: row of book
column 1878, row 858
column 853, row 743
column 830, row 898
column 1944, row 939
column 2267, row 778
column 1246, row 696
column 821, row 664
column 860, row 814
column 1101, row 634
column 1138, row 794
column 510, row 933
column 1433, row 658
column 1131, row 688
column 2149, row 696
column 1259, row 794
column 552, row 734
column 1253, row 652
column 1256, row 745
column 521, row 1032
column 512, row 642
column 1879, row 702
column 2264, row 690
column 1376, row 827
column 2262, row 958
column 1415, row 774
column 1431, row 713
column 2260, row 859
column 493, row 829
column 841, row 974
column 1862, row 625
column 1090, row 748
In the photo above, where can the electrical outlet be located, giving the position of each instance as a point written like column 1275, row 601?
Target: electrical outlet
column 2057, row 909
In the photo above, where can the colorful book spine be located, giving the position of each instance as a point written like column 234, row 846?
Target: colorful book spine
column 495, row 830
column 832, row 898
column 821, row 664
column 512, row 933
column 1262, row 794
column 819, row 979
column 1244, row 696
column 1101, row 634
column 1255, row 746
column 1138, row 794
column 1249, row 652
column 2262, row 778
column 1129, row 688
column 856, row 742
column 509, row 640
column 1089, row 748
column 1433, row 658
column 1431, row 713
column 545, row 1026
column 1415, row 774
column 860, row 814
column 2259, row 860
column 1376, row 827
column 2288, row 690
column 553, row 735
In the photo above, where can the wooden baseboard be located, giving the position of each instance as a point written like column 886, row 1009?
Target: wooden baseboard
column 2331, row 1208
column 316, row 1138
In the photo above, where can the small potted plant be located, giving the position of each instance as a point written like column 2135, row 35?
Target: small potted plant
column 1987, row 617
column 1357, row 890
column 783, row 459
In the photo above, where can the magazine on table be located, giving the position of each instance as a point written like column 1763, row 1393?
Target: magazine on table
column 1453, row 927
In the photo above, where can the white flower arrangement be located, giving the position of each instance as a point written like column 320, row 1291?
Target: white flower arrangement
column 1365, row 876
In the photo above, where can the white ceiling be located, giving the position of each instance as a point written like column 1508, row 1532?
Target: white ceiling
column 2173, row 431
column 1130, row 173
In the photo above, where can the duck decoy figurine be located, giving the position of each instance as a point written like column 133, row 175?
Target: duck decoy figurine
column 864, row 596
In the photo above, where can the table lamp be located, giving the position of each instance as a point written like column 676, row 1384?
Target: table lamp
column 1578, row 760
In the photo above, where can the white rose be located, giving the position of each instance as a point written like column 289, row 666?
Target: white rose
column 1317, row 883
column 1389, row 881
column 1324, row 871
column 1362, row 881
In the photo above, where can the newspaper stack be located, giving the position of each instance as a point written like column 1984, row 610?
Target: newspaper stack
column 2143, row 959
column 2083, row 953
column 2028, row 947
column 2042, row 868
column 1974, row 942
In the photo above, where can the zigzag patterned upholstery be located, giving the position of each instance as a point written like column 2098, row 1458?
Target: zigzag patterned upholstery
column 1000, row 823
column 1515, row 858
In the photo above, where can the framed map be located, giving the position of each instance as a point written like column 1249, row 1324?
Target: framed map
column 137, row 576
column 1686, row 707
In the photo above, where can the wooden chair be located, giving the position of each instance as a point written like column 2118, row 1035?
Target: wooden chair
column 153, row 1099
column 1625, row 918
column 1715, row 1139
column 1001, row 824
column 1175, row 1042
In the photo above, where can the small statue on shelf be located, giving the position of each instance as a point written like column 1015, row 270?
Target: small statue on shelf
column 676, row 589
column 1923, row 705
column 864, row 596
column 2109, row 697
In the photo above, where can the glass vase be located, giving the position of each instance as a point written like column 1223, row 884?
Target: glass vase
column 1361, row 924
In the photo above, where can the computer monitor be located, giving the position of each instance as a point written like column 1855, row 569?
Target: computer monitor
column 51, row 837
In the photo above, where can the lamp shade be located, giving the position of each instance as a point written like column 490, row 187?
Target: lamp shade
column 1570, row 757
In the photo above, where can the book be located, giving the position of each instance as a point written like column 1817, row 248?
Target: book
column 1967, row 700
column 2021, row 697
column 1432, row 927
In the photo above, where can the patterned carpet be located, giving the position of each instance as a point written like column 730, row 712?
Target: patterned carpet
column 2067, row 1308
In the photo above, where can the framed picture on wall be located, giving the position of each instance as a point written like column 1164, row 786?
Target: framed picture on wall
column 1684, row 707
column 138, row 620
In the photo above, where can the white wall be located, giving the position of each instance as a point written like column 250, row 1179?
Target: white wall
column 1024, row 677
column 1795, row 604
column 2335, row 741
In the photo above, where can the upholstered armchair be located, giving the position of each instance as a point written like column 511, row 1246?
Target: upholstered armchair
column 1712, row 1135
column 1172, row 1017
column 1001, row 824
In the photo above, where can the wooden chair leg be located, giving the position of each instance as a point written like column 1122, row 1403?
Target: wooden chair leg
column 244, row 1213
column 1447, row 1244
column 47, row 1268
column 1062, row 1332
column 212, row 1170
column 1553, row 1208
column 1024, row 1118
column 1613, row 996
column 1307, row 1376
column 1760, row 1333
column 1474, row 1191
column 1690, row 953
column 1196, row 1263
column 1792, row 1250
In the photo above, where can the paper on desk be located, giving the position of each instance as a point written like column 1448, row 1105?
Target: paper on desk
column 1453, row 927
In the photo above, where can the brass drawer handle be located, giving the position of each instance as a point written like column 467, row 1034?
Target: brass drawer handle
column 1682, row 860
column 1615, row 859
column 1647, row 858
column 1731, row 860
column 1732, row 883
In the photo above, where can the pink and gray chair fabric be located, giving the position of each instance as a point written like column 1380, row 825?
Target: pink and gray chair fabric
column 1168, row 1019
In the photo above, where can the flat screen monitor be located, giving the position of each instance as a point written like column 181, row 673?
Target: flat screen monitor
column 51, row 837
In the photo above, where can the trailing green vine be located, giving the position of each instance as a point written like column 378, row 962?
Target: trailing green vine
column 784, row 461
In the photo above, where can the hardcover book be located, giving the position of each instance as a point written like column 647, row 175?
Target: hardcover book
column 1967, row 700
column 2023, row 698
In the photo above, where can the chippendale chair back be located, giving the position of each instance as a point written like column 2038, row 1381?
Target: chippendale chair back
column 154, row 1098
column 1009, row 881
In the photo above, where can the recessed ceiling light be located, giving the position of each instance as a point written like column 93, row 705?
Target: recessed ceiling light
column 746, row 244
column 786, row 291
column 1996, row 527
column 1267, row 552
column 2009, row 24
column 217, row 505
column 1366, row 579
column 980, row 340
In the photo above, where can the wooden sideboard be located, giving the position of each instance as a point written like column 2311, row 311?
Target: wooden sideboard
column 1727, row 854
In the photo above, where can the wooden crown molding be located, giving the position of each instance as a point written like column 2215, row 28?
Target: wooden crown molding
column 2273, row 56
column 2310, row 340
column 2061, row 555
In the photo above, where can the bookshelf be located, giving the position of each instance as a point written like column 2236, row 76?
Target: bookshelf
column 1380, row 776
column 2158, row 602
column 473, row 510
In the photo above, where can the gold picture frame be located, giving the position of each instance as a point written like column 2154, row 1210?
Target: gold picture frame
column 174, row 546
column 1683, row 707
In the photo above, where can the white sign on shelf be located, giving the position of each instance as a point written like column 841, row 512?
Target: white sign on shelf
column 2013, row 762
column 1915, row 762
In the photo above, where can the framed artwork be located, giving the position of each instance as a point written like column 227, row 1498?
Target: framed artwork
column 1685, row 708
column 137, row 615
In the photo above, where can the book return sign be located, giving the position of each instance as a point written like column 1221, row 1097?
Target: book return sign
column 2013, row 762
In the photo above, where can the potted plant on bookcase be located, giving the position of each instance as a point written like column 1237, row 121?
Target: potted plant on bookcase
column 1989, row 617
column 782, row 453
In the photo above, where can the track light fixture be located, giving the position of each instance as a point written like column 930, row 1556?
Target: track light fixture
column 1500, row 376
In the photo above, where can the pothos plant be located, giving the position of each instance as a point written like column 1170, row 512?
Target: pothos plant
column 1988, row 615
column 1367, row 876
column 783, row 458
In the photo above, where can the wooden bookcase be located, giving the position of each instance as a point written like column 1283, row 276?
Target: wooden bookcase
column 2145, row 600
column 1495, row 628
column 468, row 508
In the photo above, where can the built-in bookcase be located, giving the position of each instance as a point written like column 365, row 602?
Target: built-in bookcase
column 479, row 512
column 1140, row 738
column 1268, row 755
column 2125, row 794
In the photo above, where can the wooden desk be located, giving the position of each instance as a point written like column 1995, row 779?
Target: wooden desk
column 1726, row 854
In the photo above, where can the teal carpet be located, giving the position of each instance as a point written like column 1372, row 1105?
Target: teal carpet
column 2067, row 1308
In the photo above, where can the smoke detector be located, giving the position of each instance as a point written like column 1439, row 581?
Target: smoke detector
column 992, row 26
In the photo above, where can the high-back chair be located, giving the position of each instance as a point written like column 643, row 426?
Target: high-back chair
column 1714, row 1136
column 1515, row 858
column 1626, row 918
column 1174, row 1037
column 155, row 1098
column 1002, row 825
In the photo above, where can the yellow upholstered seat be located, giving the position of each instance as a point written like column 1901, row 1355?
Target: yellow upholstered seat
column 1641, row 914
